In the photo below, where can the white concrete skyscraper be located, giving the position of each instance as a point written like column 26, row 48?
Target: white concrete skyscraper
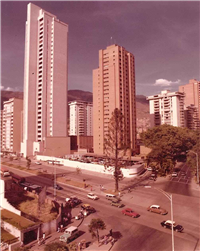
column 45, row 84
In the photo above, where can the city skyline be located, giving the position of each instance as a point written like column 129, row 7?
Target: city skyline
column 162, row 36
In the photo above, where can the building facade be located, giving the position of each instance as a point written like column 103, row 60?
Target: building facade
column 167, row 108
column 11, row 125
column 192, row 103
column 81, row 118
column 192, row 118
column 45, row 84
column 114, row 87
column 1, row 128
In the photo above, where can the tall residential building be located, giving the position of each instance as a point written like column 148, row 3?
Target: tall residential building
column 81, row 118
column 1, row 127
column 114, row 87
column 11, row 125
column 45, row 84
column 167, row 108
column 192, row 97
column 192, row 119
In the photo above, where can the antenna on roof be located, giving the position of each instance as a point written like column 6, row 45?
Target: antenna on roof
column 110, row 40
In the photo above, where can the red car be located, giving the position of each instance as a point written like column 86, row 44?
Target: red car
column 130, row 212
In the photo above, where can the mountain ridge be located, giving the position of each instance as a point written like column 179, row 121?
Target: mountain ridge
column 142, row 105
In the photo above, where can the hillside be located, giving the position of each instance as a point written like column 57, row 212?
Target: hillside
column 142, row 105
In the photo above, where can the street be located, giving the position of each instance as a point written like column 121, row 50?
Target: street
column 145, row 232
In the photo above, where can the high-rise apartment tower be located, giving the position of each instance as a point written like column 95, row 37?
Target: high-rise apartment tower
column 81, row 118
column 45, row 84
column 114, row 87
column 167, row 108
column 11, row 125
column 192, row 101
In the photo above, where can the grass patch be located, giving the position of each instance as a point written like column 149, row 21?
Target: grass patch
column 28, row 205
column 16, row 220
column 45, row 175
column 72, row 182
column 110, row 191
column 7, row 237
column 45, row 214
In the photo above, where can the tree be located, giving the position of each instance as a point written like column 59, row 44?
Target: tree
column 56, row 246
column 116, row 143
column 95, row 226
column 191, row 158
column 167, row 143
column 28, row 162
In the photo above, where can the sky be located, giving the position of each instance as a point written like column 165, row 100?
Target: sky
column 164, row 38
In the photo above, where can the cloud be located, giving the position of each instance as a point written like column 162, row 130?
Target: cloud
column 6, row 89
column 165, row 82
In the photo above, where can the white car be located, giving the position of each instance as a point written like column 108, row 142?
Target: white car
column 149, row 168
column 92, row 196
column 38, row 163
column 174, row 174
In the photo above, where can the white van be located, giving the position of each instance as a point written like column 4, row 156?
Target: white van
column 110, row 196
column 70, row 234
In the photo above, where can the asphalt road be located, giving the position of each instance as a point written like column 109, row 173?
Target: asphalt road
column 144, row 233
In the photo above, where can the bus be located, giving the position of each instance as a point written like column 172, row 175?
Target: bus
column 17, row 179
column 5, row 172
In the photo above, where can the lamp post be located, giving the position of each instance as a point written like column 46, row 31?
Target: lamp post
column 54, row 190
column 197, row 164
column 169, row 196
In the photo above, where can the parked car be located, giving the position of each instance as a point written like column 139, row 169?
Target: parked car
column 92, row 196
column 153, row 176
column 79, row 216
column 174, row 174
column 168, row 224
column 116, row 203
column 183, row 173
column 130, row 212
column 38, row 163
column 70, row 234
column 157, row 209
column 56, row 186
column 149, row 168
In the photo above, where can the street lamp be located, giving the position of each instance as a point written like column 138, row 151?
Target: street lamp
column 169, row 196
column 54, row 191
column 197, row 165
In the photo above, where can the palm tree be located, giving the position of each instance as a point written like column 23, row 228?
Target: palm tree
column 95, row 226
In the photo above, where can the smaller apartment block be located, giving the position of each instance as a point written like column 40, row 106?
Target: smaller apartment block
column 192, row 103
column 1, row 122
column 167, row 108
column 81, row 118
column 11, row 125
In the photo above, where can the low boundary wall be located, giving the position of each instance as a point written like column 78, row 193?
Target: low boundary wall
column 128, row 172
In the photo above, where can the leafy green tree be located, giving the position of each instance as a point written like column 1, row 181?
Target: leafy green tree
column 167, row 143
column 194, row 154
column 116, row 143
column 56, row 246
column 94, row 227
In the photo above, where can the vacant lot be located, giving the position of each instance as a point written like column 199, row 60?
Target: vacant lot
column 30, row 208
